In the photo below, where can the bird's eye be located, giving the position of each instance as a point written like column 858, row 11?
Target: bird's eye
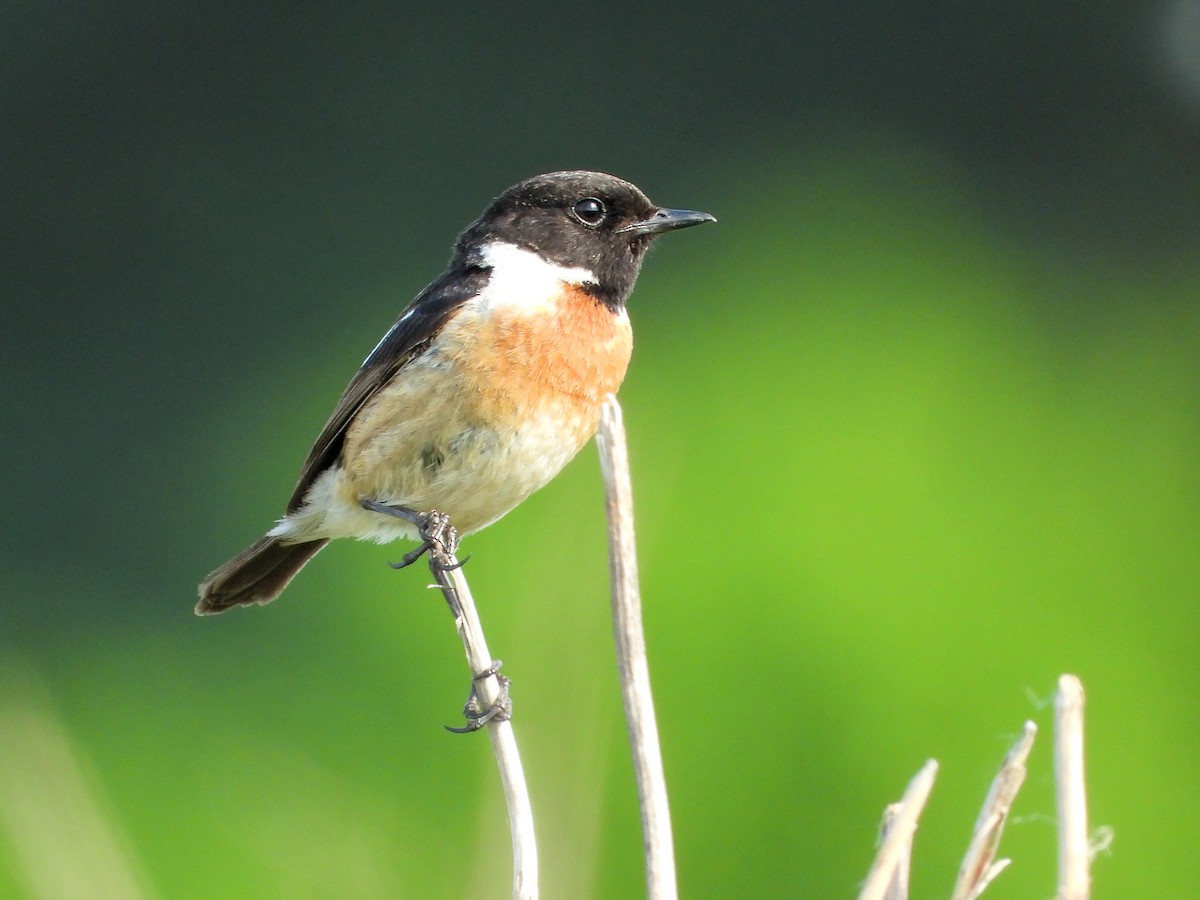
column 590, row 211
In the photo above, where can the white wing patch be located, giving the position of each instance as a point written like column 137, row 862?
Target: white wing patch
column 404, row 318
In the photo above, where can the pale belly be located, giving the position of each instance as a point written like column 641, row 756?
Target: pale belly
column 441, row 456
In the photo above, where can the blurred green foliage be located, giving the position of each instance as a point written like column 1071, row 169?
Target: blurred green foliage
column 914, row 429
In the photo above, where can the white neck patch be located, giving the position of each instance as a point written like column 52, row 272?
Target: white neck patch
column 520, row 279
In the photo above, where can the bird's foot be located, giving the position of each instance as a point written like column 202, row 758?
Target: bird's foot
column 499, row 711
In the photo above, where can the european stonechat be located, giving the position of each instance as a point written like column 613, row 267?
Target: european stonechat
column 486, row 386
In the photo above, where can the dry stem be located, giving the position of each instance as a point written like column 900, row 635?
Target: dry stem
column 504, row 743
column 631, row 657
column 898, row 887
column 897, row 844
column 1074, row 882
column 980, row 866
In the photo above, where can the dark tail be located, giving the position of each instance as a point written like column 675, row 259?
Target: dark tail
column 256, row 575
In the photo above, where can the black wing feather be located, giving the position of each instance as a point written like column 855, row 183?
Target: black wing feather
column 409, row 336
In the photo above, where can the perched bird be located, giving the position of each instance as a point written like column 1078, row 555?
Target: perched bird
column 486, row 386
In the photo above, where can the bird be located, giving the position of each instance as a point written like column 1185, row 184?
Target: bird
column 485, row 387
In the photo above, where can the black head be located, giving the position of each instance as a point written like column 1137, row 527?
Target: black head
column 580, row 219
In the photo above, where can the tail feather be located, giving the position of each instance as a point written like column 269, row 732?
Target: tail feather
column 256, row 575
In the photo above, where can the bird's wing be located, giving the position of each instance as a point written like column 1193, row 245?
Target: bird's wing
column 408, row 338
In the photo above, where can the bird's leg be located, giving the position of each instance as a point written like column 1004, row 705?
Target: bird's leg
column 440, row 541
column 438, row 537
column 392, row 509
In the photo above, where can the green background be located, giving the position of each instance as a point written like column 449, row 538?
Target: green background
column 915, row 429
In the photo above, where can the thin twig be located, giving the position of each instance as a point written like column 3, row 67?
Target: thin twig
column 898, row 842
column 489, row 691
column 1073, row 852
column 980, row 866
column 631, row 657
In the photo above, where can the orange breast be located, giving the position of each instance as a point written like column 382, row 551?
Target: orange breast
column 571, row 353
